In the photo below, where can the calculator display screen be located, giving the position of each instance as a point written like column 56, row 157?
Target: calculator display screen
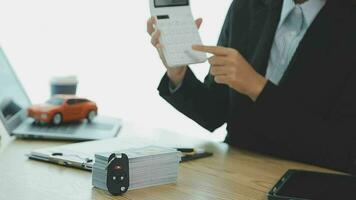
column 169, row 3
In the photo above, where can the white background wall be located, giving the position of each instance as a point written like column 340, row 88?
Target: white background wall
column 105, row 43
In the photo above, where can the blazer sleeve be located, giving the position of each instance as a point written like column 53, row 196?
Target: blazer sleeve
column 305, row 136
column 205, row 103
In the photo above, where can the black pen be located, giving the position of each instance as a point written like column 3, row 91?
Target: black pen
column 186, row 150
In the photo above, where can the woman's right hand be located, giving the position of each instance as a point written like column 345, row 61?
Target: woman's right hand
column 176, row 74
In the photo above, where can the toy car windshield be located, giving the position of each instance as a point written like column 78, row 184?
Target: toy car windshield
column 55, row 101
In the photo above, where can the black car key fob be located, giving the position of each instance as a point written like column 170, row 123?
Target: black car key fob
column 118, row 181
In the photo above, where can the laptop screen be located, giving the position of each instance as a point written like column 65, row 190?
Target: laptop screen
column 13, row 99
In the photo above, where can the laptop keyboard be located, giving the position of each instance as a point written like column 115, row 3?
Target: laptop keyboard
column 69, row 128
column 66, row 128
column 99, row 126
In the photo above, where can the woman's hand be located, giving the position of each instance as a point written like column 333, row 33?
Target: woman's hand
column 175, row 74
column 229, row 67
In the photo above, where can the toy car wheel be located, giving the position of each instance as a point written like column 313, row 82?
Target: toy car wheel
column 57, row 119
column 91, row 115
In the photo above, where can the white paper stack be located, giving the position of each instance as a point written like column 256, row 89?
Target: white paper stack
column 148, row 166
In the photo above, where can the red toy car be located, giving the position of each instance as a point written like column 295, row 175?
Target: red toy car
column 63, row 108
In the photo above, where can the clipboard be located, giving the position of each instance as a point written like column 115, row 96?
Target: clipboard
column 81, row 155
column 67, row 159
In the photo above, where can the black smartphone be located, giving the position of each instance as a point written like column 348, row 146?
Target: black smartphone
column 307, row 185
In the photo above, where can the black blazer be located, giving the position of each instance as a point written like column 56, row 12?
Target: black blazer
column 311, row 115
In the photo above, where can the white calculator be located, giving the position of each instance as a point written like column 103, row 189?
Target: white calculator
column 178, row 32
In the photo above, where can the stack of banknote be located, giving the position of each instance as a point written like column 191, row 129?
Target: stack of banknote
column 148, row 166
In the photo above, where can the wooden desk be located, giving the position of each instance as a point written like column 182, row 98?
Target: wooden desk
column 230, row 174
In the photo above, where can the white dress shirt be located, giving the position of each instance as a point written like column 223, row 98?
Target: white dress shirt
column 294, row 23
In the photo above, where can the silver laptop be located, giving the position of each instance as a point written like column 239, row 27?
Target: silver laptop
column 13, row 114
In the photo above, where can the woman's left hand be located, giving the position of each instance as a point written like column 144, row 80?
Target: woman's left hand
column 230, row 68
